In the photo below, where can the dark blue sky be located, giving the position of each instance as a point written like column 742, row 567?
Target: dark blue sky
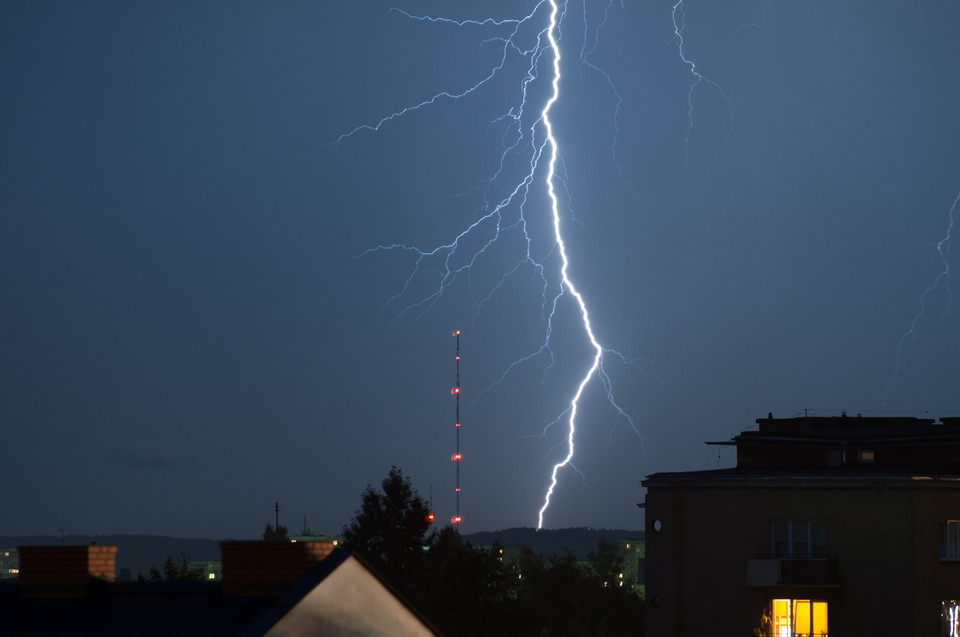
column 188, row 334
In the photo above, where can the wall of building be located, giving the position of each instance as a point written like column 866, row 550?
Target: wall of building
column 935, row 580
column 697, row 561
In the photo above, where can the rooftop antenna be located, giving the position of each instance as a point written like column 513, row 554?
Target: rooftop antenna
column 456, row 457
column 276, row 507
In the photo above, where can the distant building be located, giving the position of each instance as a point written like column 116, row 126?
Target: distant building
column 841, row 526
column 9, row 563
column 335, row 540
column 632, row 552
column 209, row 571
column 308, row 534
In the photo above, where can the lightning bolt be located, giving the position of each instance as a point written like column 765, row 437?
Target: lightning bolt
column 943, row 278
column 679, row 18
column 525, row 131
column 567, row 283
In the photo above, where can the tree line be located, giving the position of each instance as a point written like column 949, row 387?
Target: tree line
column 467, row 590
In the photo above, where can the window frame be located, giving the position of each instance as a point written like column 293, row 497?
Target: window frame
column 809, row 536
column 950, row 541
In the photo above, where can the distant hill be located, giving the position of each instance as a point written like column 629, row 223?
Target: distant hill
column 139, row 552
column 135, row 552
column 580, row 541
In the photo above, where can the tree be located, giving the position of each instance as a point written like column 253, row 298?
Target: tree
column 390, row 531
column 467, row 586
column 563, row 597
column 280, row 534
column 173, row 571
column 607, row 562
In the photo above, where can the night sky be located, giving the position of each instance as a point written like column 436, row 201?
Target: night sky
column 756, row 213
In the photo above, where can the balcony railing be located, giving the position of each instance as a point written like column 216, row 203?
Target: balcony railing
column 783, row 571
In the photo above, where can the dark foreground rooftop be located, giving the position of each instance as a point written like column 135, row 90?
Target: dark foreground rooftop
column 286, row 589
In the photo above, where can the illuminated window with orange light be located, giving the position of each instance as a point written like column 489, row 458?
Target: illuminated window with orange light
column 798, row 618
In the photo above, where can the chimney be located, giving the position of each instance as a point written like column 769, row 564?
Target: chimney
column 65, row 571
column 268, row 568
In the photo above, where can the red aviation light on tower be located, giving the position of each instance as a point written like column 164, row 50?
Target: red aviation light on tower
column 455, row 519
column 430, row 517
column 455, row 457
column 454, row 391
column 456, row 333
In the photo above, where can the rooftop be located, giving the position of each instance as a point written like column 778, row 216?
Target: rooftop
column 874, row 445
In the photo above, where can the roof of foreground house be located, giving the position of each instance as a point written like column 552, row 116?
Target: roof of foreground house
column 340, row 596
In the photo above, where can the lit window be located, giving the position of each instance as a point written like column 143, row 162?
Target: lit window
column 795, row 617
column 14, row 571
column 211, row 576
column 950, row 540
column 866, row 455
column 950, row 615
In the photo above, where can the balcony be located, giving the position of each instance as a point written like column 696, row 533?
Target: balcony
column 780, row 571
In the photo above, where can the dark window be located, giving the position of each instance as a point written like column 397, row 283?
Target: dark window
column 950, row 540
column 799, row 539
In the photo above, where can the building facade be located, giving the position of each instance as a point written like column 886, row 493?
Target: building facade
column 9, row 563
column 826, row 526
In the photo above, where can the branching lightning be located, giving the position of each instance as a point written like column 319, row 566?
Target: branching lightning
column 943, row 278
column 527, row 131
column 679, row 24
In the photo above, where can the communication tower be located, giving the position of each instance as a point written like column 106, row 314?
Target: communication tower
column 456, row 457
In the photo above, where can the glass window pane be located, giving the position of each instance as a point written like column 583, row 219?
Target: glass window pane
column 820, row 619
column 801, row 614
column 781, row 538
column 782, row 624
column 818, row 538
column 801, row 547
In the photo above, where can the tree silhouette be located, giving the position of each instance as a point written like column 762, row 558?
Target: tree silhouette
column 390, row 531
column 467, row 587
column 173, row 571
column 468, row 591
column 280, row 534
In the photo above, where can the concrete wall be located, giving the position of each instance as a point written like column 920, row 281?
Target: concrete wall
column 884, row 533
column 934, row 581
